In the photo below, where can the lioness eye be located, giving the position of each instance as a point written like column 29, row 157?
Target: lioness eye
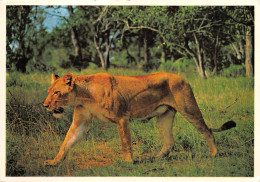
column 56, row 92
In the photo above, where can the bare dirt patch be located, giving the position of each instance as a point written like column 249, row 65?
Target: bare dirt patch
column 103, row 156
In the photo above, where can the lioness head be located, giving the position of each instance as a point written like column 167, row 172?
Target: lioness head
column 60, row 94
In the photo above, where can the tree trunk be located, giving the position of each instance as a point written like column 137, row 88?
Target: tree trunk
column 216, row 54
column 145, row 48
column 147, row 66
column 104, row 59
column 238, row 54
column 241, row 49
column 108, row 44
column 21, row 64
column 198, row 58
column 99, row 53
column 22, row 57
column 139, row 48
column 249, row 54
column 107, row 62
column 75, row 40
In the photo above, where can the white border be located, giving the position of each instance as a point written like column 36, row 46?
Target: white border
column 3, row 3
column 257, row 94
column 2, row 88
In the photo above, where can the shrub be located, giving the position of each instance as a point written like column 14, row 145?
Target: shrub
column 13, row 153
column 234, row 71
column 180, row 65
column 92, row 66
column 33, row 66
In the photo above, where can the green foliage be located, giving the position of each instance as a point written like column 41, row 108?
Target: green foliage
column 13, row 152
column 26, row 37
column 180, row 65
column 167, row 66
column 38, row 67
column 120, row 59
column 92, row 66
column 127, row 36
column 234, row 71
column 59, row 58
column 17, row 42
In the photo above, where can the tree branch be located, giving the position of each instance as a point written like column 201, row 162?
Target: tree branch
column 104, row 11
column 99, row 52
column 231, row 104
column 249, row 23
column 57, row 16
column 164, row 39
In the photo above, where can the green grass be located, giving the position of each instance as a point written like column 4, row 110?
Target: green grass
column 34, row 135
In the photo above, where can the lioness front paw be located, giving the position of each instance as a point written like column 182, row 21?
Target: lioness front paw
column 50, row 162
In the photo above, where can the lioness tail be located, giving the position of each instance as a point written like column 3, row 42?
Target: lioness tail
column 225, row 126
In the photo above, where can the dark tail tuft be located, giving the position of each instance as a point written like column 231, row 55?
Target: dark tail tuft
column 225, row 126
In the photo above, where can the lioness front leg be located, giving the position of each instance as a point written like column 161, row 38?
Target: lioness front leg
column 78, row 127
column 125, row 138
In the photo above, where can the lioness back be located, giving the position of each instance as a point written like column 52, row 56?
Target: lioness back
column 145, row 93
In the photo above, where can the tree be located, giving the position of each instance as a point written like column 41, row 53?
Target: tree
column 249, row 60
column 194, row 32
column 27, row 37
column 201, row 36
column 75, row 34
column 136, row 20
column 180, row 28
column 241, row 21
column 18, row 48
column 75, row 39
column 107, row 28
column 248, row 23
column 145, row 35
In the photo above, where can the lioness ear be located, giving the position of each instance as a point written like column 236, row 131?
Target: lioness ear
column 69, row 79
column 54, row 77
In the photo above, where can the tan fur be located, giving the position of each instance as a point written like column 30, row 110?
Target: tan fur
column 118, row 99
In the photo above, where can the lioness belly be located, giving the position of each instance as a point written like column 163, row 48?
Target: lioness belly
column 148, row 113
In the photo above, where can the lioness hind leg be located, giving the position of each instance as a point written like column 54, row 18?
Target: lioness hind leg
column 188, row 107
column 200, row 125
column 165, row 123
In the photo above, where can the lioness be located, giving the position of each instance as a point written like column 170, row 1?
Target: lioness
column 118, row 99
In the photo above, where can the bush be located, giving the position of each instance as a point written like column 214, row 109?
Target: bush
column 92, row 66
column 13, row 153
column 33, row 66
column 167, row 66
column 152, row 64
column 234, row 71
column 13, row 80
column 180, row 65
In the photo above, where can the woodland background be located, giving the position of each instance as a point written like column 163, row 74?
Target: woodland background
column 213, row 38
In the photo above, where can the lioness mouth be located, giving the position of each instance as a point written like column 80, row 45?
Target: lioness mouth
column 59, row 110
